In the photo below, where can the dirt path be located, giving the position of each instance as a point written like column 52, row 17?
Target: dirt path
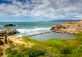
column 15, row 40
column 4, row 47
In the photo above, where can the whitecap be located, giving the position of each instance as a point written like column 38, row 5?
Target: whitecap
column 33, row 31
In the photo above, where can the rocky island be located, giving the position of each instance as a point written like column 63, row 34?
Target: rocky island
column 69, row 27
column 9, row 25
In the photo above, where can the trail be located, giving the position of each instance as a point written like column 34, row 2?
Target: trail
column 15, row 40
column 4, row 47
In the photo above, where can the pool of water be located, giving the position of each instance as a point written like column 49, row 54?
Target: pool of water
column 53, row 35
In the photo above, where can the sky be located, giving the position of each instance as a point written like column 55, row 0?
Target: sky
column 23, row 19
column 39, row 10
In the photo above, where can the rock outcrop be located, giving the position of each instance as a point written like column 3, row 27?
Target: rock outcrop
column 69, row 27
column 8, row 32
column 7, row 25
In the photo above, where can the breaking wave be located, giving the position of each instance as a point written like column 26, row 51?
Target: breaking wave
column 28, row 32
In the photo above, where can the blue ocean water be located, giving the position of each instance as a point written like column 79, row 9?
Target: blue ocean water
column 28, row 25
column 37, row 30
column 30, row 28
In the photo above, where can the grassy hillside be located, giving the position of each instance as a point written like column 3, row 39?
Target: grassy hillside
column 49, row 48
column 26, row 47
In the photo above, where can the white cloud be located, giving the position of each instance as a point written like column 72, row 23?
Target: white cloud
column 44, row 8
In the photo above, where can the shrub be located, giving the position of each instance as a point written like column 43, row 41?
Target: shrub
column 34, row 52
column 66, row 50
column 19, row 54
column 31, row 52
column 78, row 51
column 14, row 53
column 10, row 52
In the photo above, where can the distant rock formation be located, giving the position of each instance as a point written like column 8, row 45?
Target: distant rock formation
column 8, row 32
column 69, row 27
column 7, row 25
column 57, row 28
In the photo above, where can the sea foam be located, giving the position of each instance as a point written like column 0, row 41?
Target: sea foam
column 28, row 32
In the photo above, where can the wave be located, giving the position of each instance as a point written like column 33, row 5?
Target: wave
column 28, row 32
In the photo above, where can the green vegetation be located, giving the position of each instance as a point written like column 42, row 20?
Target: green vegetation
column 34, row 52
column 49, row 48
column 1, row 53
column 31, row 52
column 26, row 39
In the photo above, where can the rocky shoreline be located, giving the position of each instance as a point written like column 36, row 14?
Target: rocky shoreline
column 8, row 32
column 68, row 27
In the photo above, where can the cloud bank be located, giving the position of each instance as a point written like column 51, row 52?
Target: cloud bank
column 42, row 8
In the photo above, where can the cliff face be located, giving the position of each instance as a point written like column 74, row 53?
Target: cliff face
column 69, row 27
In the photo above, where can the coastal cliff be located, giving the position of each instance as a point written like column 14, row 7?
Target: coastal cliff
column 69, row 27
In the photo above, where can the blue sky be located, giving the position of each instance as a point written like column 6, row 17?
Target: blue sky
column 22, row 19
column 39, row 10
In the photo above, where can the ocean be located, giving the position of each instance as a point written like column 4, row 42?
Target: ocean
column 37, row 30
column 30, row 28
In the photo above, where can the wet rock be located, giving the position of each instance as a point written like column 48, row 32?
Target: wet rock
column 7, row 25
